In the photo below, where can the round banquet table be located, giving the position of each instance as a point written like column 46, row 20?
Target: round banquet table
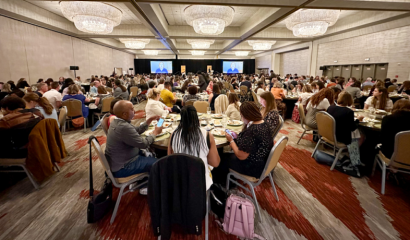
column 290, row 104
column 394, row 98
column 161, row 142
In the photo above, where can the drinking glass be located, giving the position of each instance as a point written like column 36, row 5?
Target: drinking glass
column 208, row 111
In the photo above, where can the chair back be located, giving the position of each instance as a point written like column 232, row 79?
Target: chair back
column 400, row 157
column 226, row 84
column 273, row 158
column 62, row 116
column 278, row 128
column 103, row 160
column 106, row 104
column 302, row 115
column 367, row 87
column 134, row 91
column 201, row 106
column 189, row 103
column 326, row 126
column 129, row 97
column 221, row 103
column 74, row 107
column 104, row 124
column 244, row 90
column 391, row 88
column 255, row 98
column 231, row 88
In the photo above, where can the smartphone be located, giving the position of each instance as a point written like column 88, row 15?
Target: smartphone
column 228, row 132
column 160, row 122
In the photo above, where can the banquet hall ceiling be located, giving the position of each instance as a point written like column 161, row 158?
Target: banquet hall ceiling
column 163, row 22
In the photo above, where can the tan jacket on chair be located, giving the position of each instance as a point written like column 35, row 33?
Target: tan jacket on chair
column 221, row 103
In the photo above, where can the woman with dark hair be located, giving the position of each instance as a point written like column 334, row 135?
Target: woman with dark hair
column 318, row 102
column 192, row 91
column 319, row 86
column 232, row 112
column 269, row 111
column 405, row 88
column 102, row 93
column 67, row 83
column 392, row 124
column 379, row 100
column 212, row 97
column 379, row 83
column 49, row 81
column 340, row 83
column 354, row 90
column 184, row 87
column 191, row 139
column 120, row 90
column 22, row 83
column 12, row 85
column 210, row 87
column 260, row 89
column 251, row 147
column 40, row 80
column 41, row 103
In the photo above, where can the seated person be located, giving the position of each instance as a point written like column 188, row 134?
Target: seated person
column 345, row 126
column 279, row 94
column 41, row 89
column 392, row 124
column 354, row 90
column 54, row 96
column 191, row 139
column 251, row 147
column 72, row 93
column 318, row 102
column 232, row 112
column 120, row 90
column 102, row 93
column 124, row 142
column 168, row 97
column 192, row 90
column 112, row 115
column 405, row 88
column 154, row 107
column 41, row 103
column 305, row 95
column 212, row 97
column 94, row 89
column 269, row 112
column 379, row 100
column 16, row 126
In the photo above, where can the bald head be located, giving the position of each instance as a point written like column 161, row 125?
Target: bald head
column 124, row 110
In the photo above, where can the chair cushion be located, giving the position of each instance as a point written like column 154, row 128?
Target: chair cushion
column 249, row 178
column 339, row 144
column 12, row 161
column 127, row 179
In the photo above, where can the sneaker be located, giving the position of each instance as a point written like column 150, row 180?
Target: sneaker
column 144, row 191
column 131, row 187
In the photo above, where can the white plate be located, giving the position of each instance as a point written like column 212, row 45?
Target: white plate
column 200, row 114
column 218, row 116
column 209, row 127
column 217, row 123
column 218, row 132
column 167, row 124
column 159, row 135
column 235, row 123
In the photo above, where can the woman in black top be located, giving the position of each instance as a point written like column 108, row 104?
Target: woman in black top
column 215, row 93
column 405, row 88
column 251, row 147
column 22, row 83
column 346, row 126
column 392, row 124
column 235, row 84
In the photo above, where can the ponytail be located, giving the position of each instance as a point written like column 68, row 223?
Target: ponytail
column 45, row 104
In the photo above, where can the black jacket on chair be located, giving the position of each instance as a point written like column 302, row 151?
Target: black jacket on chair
column 177, row 194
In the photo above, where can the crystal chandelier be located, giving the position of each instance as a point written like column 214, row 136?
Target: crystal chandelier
column 261, row 45
column 209, row 20
column 151, row 52
column 92, row 17
column 200, row 43
column 241, row 53
column 311, row 22
column 197, row 53
column 134, row 43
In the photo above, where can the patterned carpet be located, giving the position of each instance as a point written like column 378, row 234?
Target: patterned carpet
column 314, row 202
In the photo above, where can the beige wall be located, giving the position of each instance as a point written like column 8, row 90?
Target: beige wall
column 294, row 62
column 33, row 52
column 264, row 61
column 390, row 46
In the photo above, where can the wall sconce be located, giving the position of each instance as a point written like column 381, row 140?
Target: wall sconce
column 367, row 59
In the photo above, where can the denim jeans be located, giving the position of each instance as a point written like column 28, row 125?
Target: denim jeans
column 140, row 164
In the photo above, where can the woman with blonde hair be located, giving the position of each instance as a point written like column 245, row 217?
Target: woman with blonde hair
column 233, row 109
column 154, row 107
column 269, row 111
column 41, row 103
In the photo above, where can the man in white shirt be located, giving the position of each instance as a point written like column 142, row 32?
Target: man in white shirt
column 94, row 89
column 54, row 96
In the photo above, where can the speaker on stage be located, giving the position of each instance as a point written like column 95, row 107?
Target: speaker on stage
column 74, row 68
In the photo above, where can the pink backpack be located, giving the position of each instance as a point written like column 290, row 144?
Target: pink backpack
column 240, row 217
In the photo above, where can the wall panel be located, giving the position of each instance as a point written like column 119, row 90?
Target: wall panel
column 294, row 62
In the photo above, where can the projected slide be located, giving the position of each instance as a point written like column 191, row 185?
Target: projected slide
column 161, row 66
column 232, row 67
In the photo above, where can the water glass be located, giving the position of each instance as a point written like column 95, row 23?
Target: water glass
column 208, row 111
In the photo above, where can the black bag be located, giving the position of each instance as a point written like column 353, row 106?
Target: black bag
column 218, row 201
column 323, row 158
column 100, row 204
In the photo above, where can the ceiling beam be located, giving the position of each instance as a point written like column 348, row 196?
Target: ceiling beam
column 245, row 3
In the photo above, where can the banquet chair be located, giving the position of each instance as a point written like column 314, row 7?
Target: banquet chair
column 121, row 183
column 18, row 162
column 244, row 94
column 62, row 119
column 226, row 84
column 106, row 102
column 255, row 98
column 278, row 128
column 74, row 109
column 189, row 103
column 221, row 103
column 231, row 88
column 253, row 182
column 367, row 88
column 134, row 93
column 326, row 126
column 201, row 106
column 399, row 161
column 302, row 121
column 391, row 88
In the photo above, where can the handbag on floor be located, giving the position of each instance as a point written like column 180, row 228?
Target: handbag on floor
column 239, row 217
column 295, row 114
column 100, row 204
